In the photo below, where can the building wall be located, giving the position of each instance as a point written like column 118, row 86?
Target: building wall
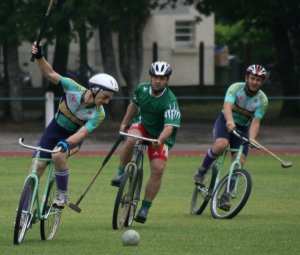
column 185, row 61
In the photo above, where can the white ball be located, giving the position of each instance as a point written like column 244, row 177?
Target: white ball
column 131, row 238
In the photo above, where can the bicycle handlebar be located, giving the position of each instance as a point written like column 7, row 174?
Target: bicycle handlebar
column 21, row 140
column 240, row 135
column 138, row 137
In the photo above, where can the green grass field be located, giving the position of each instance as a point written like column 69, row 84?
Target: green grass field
column 269, row 223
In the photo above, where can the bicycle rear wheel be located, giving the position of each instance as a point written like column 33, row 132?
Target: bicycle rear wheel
column 123, row 201
column 202, row 193
column 51, row 215
column 24, row 215
column 240, row 187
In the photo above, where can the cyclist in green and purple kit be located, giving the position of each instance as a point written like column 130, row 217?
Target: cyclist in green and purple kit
column 159, row 118
column 244, row 107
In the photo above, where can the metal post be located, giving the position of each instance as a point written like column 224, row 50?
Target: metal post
column 154, row 52
column 49, row 107
column 201, row 63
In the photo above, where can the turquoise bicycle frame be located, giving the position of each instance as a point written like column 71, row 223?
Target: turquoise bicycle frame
column 34, row 175
column 236, row 164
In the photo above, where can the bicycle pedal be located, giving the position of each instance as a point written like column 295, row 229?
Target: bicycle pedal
column 200, row 185
column 60, row 207
column 225, row 208
column 33, row 221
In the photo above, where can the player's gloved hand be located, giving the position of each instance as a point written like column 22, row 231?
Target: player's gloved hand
column 37, row 51
column 64, row 145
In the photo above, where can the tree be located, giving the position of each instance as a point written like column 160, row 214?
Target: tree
column 10, row 39
column 127, row 20
column 134, row 14
column 103, row 18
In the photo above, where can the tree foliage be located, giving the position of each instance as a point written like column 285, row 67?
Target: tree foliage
column 242, row 39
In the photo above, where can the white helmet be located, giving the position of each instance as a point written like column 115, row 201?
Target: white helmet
column 160, row 68
column 103, row 82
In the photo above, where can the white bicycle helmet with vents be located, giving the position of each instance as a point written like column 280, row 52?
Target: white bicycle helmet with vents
column 103, row 82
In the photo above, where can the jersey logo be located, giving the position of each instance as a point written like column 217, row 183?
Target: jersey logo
column 145, row 89
column 155, row 153
column 172, row 113
column 241, row 98
column 72, row 99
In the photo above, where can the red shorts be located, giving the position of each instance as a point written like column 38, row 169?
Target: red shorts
column 161, row 153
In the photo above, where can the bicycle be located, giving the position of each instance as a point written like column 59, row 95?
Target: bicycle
column 128, row 195
column 31, row 208
column 236, row 185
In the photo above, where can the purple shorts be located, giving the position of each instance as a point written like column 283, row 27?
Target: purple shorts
column 221, row 131
column 52, row 135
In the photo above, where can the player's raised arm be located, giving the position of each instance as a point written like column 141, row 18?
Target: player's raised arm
column 44, row 66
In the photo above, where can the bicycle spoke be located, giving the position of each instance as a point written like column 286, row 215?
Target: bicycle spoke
column 51, row 215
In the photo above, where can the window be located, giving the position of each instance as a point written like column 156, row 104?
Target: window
column 184, row 34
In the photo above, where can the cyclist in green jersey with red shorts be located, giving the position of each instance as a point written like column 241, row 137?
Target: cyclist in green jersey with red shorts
column 159, row 118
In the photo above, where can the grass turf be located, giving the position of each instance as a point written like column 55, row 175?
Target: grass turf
column 268, row 224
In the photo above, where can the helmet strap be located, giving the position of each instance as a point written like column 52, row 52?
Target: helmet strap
column 94, row 96
column 82, row 97
column 93, row 93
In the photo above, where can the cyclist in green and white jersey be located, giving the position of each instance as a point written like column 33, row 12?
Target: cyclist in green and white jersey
column 244, row 107
column 159, row 118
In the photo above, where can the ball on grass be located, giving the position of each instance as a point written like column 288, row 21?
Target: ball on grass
column 131, row 238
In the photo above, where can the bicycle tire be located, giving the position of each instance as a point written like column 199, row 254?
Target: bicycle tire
column 51, row 215
column 123, row 201
column 202, row 193
column 238, row 199
column 137, row 186
column 21, row 227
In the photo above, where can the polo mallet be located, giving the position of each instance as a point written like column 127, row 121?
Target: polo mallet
column 51, row 6
column 75, row 207
column 259, row 146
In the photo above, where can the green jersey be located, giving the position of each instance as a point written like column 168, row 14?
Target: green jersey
column 157, row 112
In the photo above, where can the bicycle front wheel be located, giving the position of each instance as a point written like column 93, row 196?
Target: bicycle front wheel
column 123, row 201
column 137, row 186
column 202, row 193
column 239, row 192
column 51, row 215
column 24, row 213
